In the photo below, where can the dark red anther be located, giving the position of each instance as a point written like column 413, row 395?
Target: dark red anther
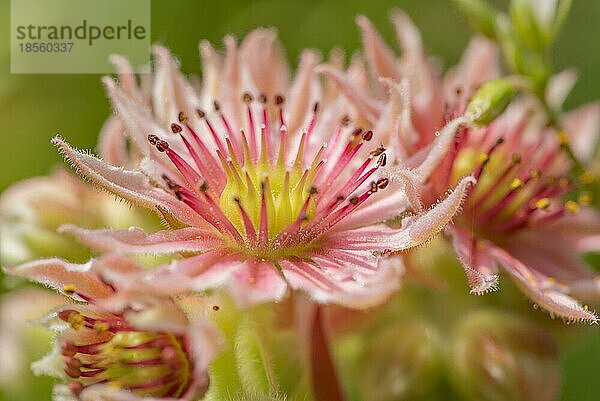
column 200, row 113
column 382, row 161
column 203, row 187
column 176, row 128
column 279, row 100
column 216, row 105
column 373, row 186
column 340, row 198
column 178, row 194
column 378, row 151
column 153, row 139
column 382, row 183
column 357, row 131
column 354, row 200
column 316, row 107
column 368, row 135
column 162, row 146
column 313, row 190
column 345, row 121
column 262, row 98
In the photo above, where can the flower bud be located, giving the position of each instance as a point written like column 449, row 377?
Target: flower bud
column 400, row 362
column 480, row 16
column 490, row 101
column 538, row 21
column 105, row 348
column 501, row 357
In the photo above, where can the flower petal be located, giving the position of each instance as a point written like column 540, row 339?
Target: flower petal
column 135, row 240
column 67, row 278
column 256, row 282
column 546, row 295
column 480, row 269
column 380, row 57
column 128, row 184
column 415, row 230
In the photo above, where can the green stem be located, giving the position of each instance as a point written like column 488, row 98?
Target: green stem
column 325, row 383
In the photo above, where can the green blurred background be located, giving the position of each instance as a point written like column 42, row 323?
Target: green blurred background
column 33, row 108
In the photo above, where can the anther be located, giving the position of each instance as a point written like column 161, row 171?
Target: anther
column 247, row 98
column 200, row 113
column 262, row 98
column 543, row 203
column 161, row 145
column 373, row 186
column 382, row 161
column 279, row 100
column 215, row 308
column 516, row 158
column 572, row 207
column 340, row 198
column 182, row 117
column 316, row 107
column 357, row 131
column 203, row 187
column 368, row 135
column 353, row 200
column 515, row 184
column 378, row 151
column 535, row 173
column 345, row 120
column 178, row 194
column 69, row 289
column 216, row 105
column 176, row 128
column 382, row 183
column 153, row 139
column 313, row 190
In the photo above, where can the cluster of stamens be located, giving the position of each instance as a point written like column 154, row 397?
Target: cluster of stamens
column 260, row 188
column 511, row 192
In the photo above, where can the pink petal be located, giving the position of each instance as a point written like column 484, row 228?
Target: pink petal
column 439, row 149
column 198, row 273
column 57, row 274
column 583, row 126
column 135, row 240
column 130, row 185
column 367, row 106
column 172, row 93
column 304, row 90
column 264, row 57
column 415, row 231
column 112, row 143
column 559, row 86
column 480, row 268
column 325, row 286
column 544, row 294
column 381, row 59
column 256, row 282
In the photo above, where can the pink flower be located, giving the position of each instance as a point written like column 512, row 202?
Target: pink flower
column 515, row 217
column 255, row 201
column 125, row 341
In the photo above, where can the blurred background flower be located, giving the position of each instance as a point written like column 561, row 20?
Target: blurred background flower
column 34, row 108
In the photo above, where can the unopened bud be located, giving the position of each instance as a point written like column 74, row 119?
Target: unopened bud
column 501, row 357
column 480, row 15
column 401, row 362
column 490, row 101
